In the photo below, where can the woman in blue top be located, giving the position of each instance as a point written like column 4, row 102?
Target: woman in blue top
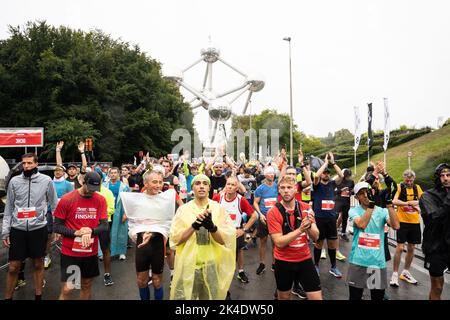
column 367, row 267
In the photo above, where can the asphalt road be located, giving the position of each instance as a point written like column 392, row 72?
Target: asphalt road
column 260, row 287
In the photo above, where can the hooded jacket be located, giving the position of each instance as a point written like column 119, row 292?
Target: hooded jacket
column 435, row 210
column 37, row 191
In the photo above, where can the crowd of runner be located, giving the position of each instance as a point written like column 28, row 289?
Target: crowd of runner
column 202, row 215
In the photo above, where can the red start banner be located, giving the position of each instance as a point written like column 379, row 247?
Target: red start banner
column 21, row 137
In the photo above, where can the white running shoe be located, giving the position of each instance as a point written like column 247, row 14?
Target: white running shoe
column 323, row 255
column 47, row 261
column 122, row 257
column 394, row 280
column 406, row 276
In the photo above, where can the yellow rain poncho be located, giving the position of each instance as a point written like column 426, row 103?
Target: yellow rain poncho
column 204, row 268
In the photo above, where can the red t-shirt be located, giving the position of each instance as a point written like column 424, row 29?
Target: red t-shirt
column 297, row 250
column 80, row 212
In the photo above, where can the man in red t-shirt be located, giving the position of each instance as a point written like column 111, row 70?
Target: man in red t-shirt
column 79, row 217
column 290, row 223
column 235, row 205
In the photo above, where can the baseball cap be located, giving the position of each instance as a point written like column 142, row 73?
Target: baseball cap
column 359, row 186
column 70, row 165
column 93, row 181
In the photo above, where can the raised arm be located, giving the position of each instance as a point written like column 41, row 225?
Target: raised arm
column 83, row 156
column 59, row 146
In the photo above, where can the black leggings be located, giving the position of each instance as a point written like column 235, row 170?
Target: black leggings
column 344, row 213
column 357, row 293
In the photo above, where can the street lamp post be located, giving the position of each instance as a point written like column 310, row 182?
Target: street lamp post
column 290, row 92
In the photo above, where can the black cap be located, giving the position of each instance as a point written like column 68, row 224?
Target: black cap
column 93, row 181
column 72, row 165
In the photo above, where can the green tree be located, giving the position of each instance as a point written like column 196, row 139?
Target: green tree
column 49, row 74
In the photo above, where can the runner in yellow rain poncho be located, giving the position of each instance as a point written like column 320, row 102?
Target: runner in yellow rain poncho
column 205, row 237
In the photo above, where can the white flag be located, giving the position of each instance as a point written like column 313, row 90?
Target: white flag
column 386, row 124
column 357, row 128
column 149, row 213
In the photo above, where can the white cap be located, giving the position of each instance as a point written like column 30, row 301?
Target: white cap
column 359, row 186
column 269, row 170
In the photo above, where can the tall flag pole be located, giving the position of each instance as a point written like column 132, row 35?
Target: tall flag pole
column 386, row 128
column 369, row 133
column 357, row 133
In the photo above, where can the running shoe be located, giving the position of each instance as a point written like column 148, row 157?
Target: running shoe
column 43, row 283
column 272, row 268
column 340, row 256
column 242, row 277
column 261, row 269
column 344, row 237
column 335, row 272
column 47, row 262
column 406, row 276
column 100, row 258
column 19, row 284
column 122, row 257
column 323, row 254
column 298, row 291
column 394, row 280
column 107, row 280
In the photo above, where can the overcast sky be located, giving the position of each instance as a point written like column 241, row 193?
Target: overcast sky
column 344, row 53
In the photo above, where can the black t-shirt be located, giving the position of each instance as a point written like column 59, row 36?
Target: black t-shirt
column 76, row 184
column 344, row 190
column 217, row 184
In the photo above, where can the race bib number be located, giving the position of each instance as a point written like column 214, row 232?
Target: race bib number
column 327, row 204
column 345, row 193
column 270, row 202
column 409, row 209
column 78, row 246
column 298, row 242
column 369, row 241
column 26, row 213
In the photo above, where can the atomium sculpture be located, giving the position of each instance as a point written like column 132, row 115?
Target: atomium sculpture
column 218, row 105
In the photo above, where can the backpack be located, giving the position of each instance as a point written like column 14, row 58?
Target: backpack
column 286, row 223
column 403, row 194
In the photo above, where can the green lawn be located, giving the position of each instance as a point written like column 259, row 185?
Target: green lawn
column 427, row 152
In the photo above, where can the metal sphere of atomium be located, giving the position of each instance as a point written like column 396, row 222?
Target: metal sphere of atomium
column 210, row 54
column 256, row 82
column 219, row 110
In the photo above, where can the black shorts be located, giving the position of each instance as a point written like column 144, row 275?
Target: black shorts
column 263, row 231
column 437, row 264
column 87, row 266
column 105, row 239
column 27, row 244
column 151, row 254
column 410, row 233
column 327, row 228
column 286, row 273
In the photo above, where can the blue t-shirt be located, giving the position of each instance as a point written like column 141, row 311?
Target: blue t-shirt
column 268, row 195
column 323, row 200
column 115, row 189
column 62, row 187
column 368, row 245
